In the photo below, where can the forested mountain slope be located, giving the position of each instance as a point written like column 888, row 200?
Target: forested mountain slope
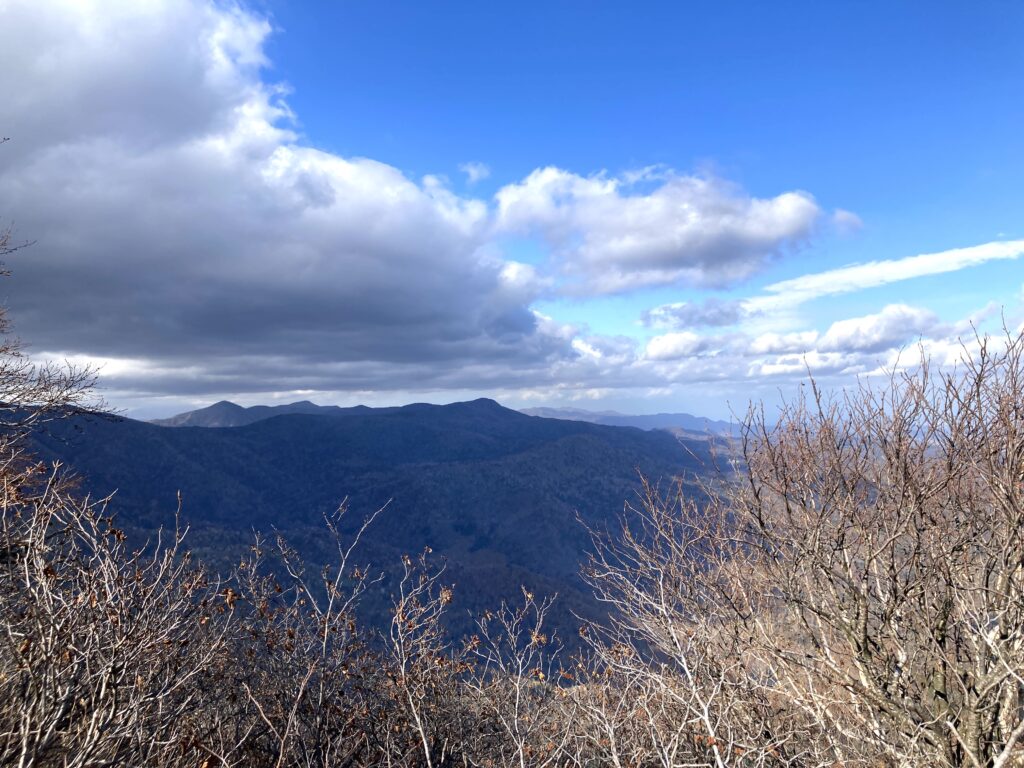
column 496, row 493
column 228, row 414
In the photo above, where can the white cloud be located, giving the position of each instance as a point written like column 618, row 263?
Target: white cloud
column 783, row 343
column 745, row 361
column 199, row 247
column 710, row 312
column 181, row 221
column 673, row 346
column 813, row 362
column 893, row 327
column 585, row 348
column 524, row 279
column 789, row 293
column 846, row 222
column 610, row 237
column 475, row 172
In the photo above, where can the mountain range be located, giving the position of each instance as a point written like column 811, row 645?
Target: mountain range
column 228, row 414
column 501, row 497
column 681, row 423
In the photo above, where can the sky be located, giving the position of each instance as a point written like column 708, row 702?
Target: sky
column 636, row 206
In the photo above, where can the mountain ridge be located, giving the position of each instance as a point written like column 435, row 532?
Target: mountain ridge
column 497, row 494
column 225, row 413
column 693, row 426
column 228, row 414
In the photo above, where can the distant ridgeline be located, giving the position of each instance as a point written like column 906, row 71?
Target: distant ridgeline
column 686, row 424
column 496, row 493
column 228, row 414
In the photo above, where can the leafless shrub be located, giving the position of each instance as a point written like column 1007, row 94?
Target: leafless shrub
column 102, row 650
column 886, row 527
column 423, row 711
column 856, row 599
column 303, row 690
column 670, row 679
column 515, row 687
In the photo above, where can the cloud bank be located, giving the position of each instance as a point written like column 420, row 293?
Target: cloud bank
column 188, row 238
column 179, row 219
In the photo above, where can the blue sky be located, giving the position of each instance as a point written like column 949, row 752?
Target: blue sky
column 908, row 113
column 586, row 204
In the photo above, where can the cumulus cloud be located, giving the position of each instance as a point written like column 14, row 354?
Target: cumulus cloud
column 180, row 221
column 851, row 346
column 893, row 327
column 189, row 240
column 851, row 342
column 783, row 343
column 846, row 222
column 710, row 312
column 674, row 346
column 612, row 235
column 475, row 172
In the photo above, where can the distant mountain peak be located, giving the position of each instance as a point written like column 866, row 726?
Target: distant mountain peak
column 225, row 413
column 679, row 422
column 486, row 402
column 228, row 414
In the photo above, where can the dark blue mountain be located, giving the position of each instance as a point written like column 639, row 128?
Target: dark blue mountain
column 228, row 414
column 497, row 493
column 684, row 423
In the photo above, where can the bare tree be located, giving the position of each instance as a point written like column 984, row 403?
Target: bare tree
column 522, row 714
column 887, row 527
column 103, row 650
column 854, row 598
column 670, row 679
column 423, row 668
column 302, row 695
